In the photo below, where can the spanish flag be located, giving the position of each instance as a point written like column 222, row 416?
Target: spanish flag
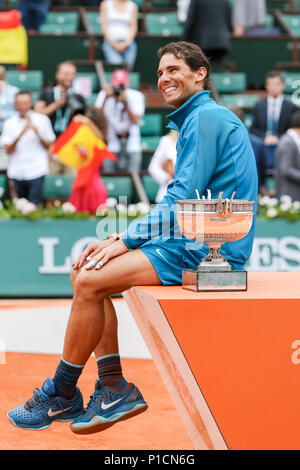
column 13, row 39
column 80, row 148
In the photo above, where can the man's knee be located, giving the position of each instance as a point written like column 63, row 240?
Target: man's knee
column 85, row 285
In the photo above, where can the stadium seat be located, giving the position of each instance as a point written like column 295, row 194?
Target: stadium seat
column 150, row 124
column 2, row 186
column 292, row 81
column 229, row 82
column 240, row 100
column 31, row 80
column 134, row 79
column 150, row 142
column 61, row 23
column 164, row 24
column 93, row 18
column 58, row 186
column 118, row 186
column 139, row 3
column 151, row 187
column 293, row 22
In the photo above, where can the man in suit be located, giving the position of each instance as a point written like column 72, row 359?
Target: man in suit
column 287, row 164
column 271, row 119
column 208, row 25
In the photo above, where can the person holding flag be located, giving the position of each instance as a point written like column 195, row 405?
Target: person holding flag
column 82, row 146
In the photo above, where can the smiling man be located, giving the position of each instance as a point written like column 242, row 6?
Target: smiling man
column 213, row 151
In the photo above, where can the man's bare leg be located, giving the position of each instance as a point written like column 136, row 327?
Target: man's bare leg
column 87, row 319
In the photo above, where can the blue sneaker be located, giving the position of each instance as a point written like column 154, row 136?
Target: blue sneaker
column 108, row 406
column 44, row 407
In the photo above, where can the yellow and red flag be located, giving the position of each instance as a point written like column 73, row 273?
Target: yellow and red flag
column 80, row 148
column 13, row 39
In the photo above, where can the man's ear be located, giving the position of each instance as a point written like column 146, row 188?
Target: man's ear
column 201, row 74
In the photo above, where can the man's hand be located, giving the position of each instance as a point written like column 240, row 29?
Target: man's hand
column 121, row 46
column 116, row 248
column 91, row 250
column 271, row 140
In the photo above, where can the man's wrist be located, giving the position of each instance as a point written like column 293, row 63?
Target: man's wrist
column 115, row 236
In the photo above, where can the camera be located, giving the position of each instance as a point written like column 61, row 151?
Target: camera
column 123, row 135
column 75, row 104
column 117, row 90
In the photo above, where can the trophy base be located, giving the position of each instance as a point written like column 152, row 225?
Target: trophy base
column 214, row 281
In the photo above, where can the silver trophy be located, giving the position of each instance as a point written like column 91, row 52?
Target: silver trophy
column 214, row 222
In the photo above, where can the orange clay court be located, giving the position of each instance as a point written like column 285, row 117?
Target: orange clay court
column 229, row 360
column 160, row 427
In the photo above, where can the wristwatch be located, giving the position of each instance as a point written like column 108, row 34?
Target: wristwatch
column 114, row 235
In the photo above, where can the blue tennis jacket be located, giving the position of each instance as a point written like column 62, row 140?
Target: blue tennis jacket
column 213, row 152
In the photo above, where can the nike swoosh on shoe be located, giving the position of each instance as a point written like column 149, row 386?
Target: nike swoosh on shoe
column 106, row 406
column 54, row 413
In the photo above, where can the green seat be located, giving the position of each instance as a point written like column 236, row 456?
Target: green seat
column 134, row 79
column 2, row 186
column 240, row 100
column 118, row 186
column 93, row 77
column 58, row 29
column 61, row 23
column 93, row 18
column 150, row 125
column 293, row 22
column 163, row 24
column 139, row 3
column 65, row 17
column 31, row 80
column 229, row 82
column 292, row 81
column 151, row 187
column 58, row 186
column 150, row 142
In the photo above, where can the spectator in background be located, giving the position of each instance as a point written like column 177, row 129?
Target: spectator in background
column 7, row 98
column 208, row 25
column 61, row 103
column 88, row 190
column 271, row 119
column 248, row 17
column 27, row 138
column 123, row 107
column 119, row 22
column 162, row 165
column 287, row 163
column 34, row 13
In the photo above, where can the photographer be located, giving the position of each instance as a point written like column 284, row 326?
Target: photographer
column 123, row 107
column 60, row 104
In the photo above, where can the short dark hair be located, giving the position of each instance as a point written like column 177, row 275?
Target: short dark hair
column 274, row 74
column 23, row 92
column 295, row 120
column 192, row 55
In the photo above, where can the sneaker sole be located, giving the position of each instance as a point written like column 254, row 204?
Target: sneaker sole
column 41, row 428
column 99, row 423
